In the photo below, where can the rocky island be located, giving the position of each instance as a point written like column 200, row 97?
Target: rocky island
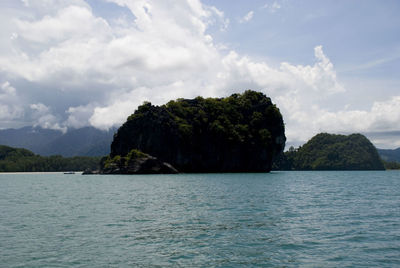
column 332, row 152
column 239, row 133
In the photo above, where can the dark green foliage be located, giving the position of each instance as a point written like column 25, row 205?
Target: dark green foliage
column 286, row 160
column 22, row 160
column 333, row 152
column 122, row 162
column 391, row 165
column 243, row 132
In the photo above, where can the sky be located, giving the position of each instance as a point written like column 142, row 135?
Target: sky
column 329, row 66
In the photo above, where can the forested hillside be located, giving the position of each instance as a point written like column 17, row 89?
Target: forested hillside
column 22, row 160
column 332, row 152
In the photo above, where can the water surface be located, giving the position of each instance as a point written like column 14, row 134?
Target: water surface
column 281, row 219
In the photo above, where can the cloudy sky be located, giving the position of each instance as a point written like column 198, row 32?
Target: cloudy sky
column 330, row 66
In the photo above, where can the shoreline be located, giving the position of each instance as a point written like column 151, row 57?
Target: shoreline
column 41, row 172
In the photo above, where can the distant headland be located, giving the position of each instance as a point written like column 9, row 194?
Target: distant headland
column 332, row 152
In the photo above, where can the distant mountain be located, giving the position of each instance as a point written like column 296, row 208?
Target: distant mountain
column 390, row 155
column 87, row 141
column 32, row 138
column 332, row 152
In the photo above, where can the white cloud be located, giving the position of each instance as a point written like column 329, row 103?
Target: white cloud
column 79, row 116
column 272, row 7
column 92, row 72
column 247, row 17
column 220, row 18
column 10, row 109
column 7, row 90
column 72, row 22
column 321, row 76
column 383, row 116
column 25, row 2
column 44, row 118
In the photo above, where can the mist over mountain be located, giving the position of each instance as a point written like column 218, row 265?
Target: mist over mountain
column 86, row 141
column 390, row 155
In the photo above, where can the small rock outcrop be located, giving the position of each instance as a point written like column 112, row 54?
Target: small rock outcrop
column 136, row 162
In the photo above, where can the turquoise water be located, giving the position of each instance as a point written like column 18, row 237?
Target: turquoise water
column 281, row 219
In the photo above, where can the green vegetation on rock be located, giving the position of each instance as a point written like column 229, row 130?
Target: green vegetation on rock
column 135, row 162
column 121, row 162
column 391, row 165
column 239, row 133
column 332, row 152
column 22, row 160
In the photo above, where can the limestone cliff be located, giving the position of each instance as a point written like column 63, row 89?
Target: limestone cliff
column 240, row 133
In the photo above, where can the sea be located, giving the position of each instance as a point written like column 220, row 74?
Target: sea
column 277, row 219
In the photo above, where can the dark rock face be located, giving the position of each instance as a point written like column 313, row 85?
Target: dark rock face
column 240, row 133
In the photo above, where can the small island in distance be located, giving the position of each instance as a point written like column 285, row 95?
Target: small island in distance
column 332, row 152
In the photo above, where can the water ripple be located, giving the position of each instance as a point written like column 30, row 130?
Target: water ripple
column 282, row 219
